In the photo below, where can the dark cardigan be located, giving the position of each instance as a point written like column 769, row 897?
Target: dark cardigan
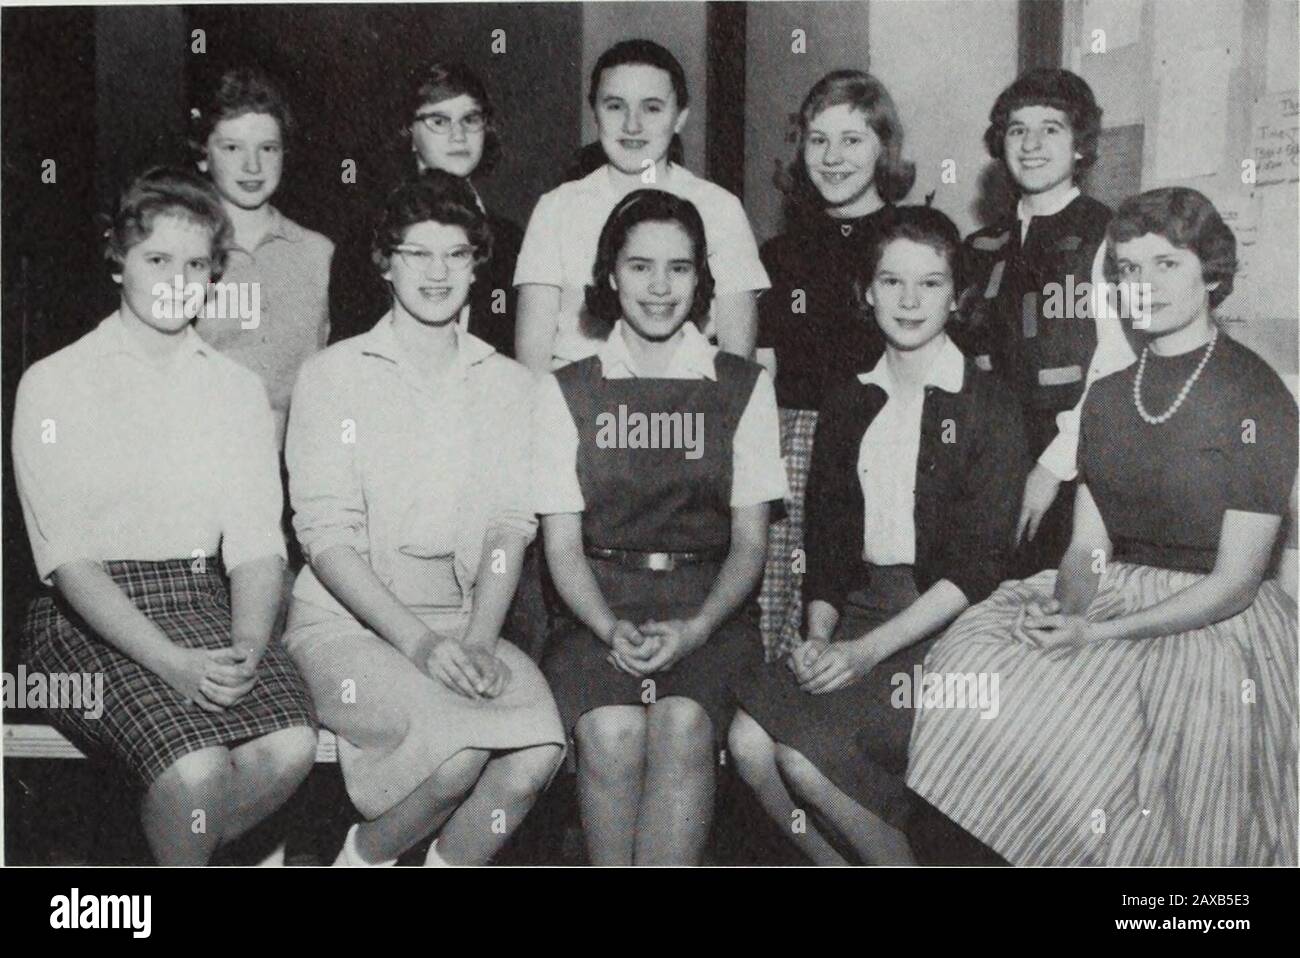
column 969, row 479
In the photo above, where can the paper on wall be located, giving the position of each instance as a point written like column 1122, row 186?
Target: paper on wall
column 1192, row 114
column 1275, row 140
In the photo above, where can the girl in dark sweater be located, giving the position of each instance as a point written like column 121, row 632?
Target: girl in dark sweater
column 846, row 173
column 911, row 504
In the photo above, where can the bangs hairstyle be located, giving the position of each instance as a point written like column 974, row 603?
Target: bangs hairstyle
column 893, row 176
column 644, row 206
column 167, row 191
column 1188, row 221
column 920, row 224
column 633, row 53
column 446, row 81
column 433, row 196
column 239, row 91
column 1055, row 88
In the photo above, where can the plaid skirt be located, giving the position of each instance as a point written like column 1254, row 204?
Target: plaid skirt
column 1177, row 750
column 780, row 598
column 145, row 724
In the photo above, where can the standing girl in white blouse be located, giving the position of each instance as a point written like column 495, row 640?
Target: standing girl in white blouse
column 139, row 452
column 639, row 97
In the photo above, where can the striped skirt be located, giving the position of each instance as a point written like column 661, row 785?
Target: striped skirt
column 1179, row 750
column 780, row 599
column 145, row 724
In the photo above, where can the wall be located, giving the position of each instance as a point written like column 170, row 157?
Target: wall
column 1197, row 132
column 943, row 62
column 778, row 74
column 678, row 26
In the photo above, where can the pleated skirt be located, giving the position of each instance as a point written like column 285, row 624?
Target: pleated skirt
column 1178, row 750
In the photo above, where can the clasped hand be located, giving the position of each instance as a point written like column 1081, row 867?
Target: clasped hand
column 212, row 679
column 472, row 672
column 653, row 646
column 820, row 666
column 1041, row 622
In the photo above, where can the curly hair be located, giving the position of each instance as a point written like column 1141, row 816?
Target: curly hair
column 1187, row 220
column 893, row 175
column 168, row 191
column 644, row 206
column 1055, row 88
column 445, row 81
column 432, row 196
column 239, row 91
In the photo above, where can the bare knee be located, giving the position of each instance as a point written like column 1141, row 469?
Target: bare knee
column 457, row 776
column 286, row 755
column 750, row 747
column 795, row 767
column 524, row 773
column 194, row 778
column 681, row 734
column 612, row 742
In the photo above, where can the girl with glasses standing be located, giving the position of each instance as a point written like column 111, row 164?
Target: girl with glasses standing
column 451, row 128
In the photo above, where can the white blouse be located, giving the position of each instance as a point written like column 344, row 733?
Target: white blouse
column 758, row 473
column 559, row 246
column 887, row 458
column 119, row 457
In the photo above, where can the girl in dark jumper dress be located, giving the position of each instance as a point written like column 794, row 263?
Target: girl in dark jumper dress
column 656, row 461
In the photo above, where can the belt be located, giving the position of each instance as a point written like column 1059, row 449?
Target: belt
column 656, row 561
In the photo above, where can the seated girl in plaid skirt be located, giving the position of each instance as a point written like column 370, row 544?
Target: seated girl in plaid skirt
column 138, row 452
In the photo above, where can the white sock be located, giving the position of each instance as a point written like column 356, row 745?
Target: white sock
column 434, row 860
column 349, row 857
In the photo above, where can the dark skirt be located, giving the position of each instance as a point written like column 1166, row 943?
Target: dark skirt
column 582, row 679
column 146, row 725
column 854, row 736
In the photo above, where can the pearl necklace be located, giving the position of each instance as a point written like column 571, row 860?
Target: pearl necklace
column 1182, row 393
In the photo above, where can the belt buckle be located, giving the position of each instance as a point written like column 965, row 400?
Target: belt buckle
column 660, row 562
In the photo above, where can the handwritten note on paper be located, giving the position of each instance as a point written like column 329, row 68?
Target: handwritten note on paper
column 1275, row 139
column 1241, row 213
column 1192, row 125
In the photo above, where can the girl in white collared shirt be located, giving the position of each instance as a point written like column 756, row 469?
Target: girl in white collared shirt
column 639, row 97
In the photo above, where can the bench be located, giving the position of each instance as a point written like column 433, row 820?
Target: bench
column 22, row 740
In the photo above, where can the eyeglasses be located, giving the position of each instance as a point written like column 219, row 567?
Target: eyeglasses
column 457, row 259
column 439, row 124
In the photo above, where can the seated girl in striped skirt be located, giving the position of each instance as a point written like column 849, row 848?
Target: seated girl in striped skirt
column 139, row 450
column 1147, row 688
